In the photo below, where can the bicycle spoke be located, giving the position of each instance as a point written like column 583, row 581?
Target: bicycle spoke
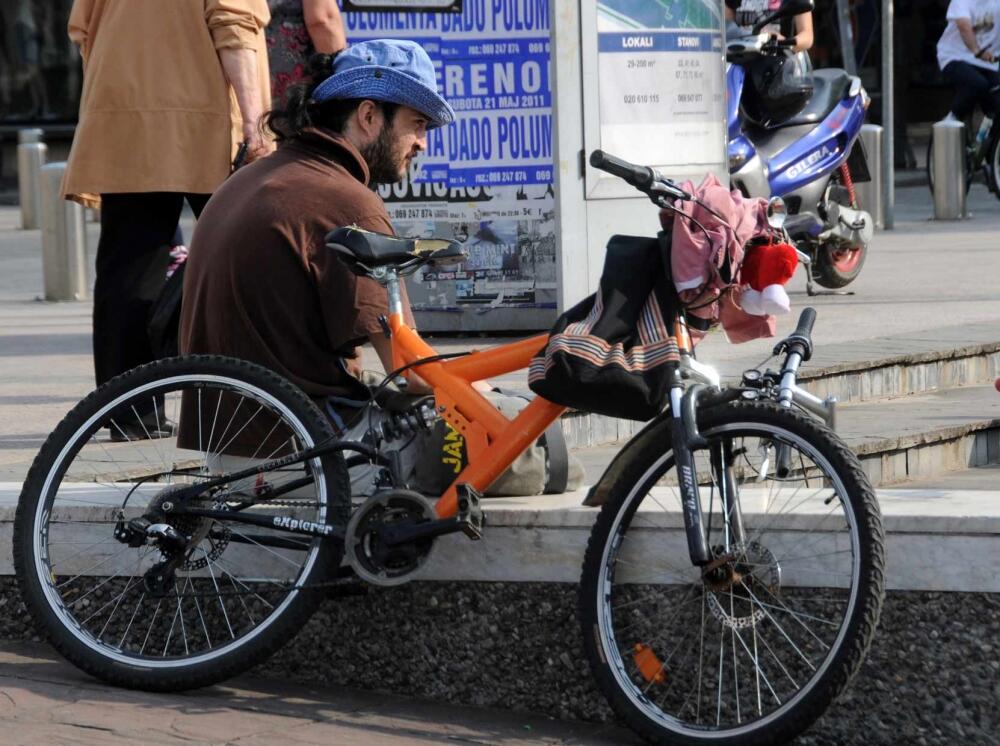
column 736, row 668
column 794, row 616
column 204, row 627
column 100, row 563
column 128, row 627
column 149, row 631
column 222, row 605
column 239, row 432
column 780, row 629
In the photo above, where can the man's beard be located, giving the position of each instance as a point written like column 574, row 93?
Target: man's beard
column 382, row 168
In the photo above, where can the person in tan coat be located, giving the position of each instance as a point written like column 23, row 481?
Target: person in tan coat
column 170, row 90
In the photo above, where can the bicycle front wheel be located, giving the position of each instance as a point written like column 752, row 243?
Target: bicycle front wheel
column 135, row 609
column 753, row 648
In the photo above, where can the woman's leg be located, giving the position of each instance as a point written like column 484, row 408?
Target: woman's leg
column 132, row 259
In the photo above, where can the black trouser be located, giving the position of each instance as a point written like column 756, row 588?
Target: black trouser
column 133, row 253
column 973, row 85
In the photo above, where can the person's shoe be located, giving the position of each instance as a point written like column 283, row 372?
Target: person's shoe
column 147, row 429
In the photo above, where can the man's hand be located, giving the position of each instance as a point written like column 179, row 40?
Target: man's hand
column 986, row 55
column 353, row 366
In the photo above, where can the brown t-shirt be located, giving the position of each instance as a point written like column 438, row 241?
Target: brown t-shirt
column 261, row 285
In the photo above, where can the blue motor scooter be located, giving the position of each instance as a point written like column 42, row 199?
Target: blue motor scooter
column 811, row 158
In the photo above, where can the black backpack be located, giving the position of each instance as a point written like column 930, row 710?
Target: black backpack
column 614, row 352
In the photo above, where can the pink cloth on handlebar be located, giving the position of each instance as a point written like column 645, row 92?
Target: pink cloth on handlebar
column 705, row 264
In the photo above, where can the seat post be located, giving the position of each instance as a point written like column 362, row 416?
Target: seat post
column 391, row 282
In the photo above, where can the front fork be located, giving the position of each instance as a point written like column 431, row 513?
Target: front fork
column 686, row 438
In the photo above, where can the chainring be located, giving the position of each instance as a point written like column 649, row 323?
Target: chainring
column 369, row 557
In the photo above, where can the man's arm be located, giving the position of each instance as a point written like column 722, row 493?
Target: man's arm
column 324, row 25
column 968, row 35
column 803, row 32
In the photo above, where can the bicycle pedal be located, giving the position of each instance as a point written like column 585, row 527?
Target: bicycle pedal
column 470, row 513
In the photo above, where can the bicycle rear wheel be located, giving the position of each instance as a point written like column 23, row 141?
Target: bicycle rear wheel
column 159, row 615
column 755, row 648
column 993, row 157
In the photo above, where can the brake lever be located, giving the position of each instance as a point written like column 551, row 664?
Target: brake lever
column 665, row 187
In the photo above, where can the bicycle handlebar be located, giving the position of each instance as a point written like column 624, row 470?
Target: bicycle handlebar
column 800, row 341
column 641, row 177
column 806, row 320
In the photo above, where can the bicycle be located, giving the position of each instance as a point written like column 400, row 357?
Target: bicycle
column 729, row 604
column 981, row 152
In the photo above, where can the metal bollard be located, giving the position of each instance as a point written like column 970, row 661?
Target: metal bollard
column 64, row 240
column 870, row 192
column 31, row 134
column 30, row 159
column 949, row 170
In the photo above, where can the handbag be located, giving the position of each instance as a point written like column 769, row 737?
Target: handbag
column 614, row 352
column 165, row 315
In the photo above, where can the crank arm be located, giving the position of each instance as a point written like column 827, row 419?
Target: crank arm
column 406, row 533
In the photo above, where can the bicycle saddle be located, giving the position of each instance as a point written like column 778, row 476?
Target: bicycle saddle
column 357, row 246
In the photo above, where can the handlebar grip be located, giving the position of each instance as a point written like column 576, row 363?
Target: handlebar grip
column 799, row 341
column 806, row 320
column 640, row 177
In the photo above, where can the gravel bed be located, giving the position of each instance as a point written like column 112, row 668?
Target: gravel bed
column 932, row 676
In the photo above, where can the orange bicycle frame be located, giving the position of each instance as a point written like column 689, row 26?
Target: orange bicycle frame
column 492, row 441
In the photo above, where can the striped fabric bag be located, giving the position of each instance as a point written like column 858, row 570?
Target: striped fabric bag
column 613, row 352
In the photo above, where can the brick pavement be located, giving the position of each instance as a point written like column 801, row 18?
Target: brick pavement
column 44, row 700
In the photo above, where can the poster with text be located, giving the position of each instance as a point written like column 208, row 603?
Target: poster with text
column 487, row 179
column 662, row 97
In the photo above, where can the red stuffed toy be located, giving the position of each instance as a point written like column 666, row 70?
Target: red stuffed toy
column 766, row 268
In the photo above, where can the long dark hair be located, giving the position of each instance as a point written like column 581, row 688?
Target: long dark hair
column 301, row 111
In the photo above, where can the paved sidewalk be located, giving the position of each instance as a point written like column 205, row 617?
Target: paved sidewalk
column 45, row 700
column 919, row 279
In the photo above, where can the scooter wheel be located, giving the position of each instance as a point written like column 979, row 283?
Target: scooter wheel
column 836, row 266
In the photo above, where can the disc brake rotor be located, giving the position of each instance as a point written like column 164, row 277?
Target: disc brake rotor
column 742, row 576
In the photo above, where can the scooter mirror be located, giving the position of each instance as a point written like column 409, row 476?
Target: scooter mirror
column 777, row 212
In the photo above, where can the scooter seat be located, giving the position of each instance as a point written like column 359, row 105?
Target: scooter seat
column 829, row 89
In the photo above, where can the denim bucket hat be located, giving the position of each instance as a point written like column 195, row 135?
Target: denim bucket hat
column 392, row 70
